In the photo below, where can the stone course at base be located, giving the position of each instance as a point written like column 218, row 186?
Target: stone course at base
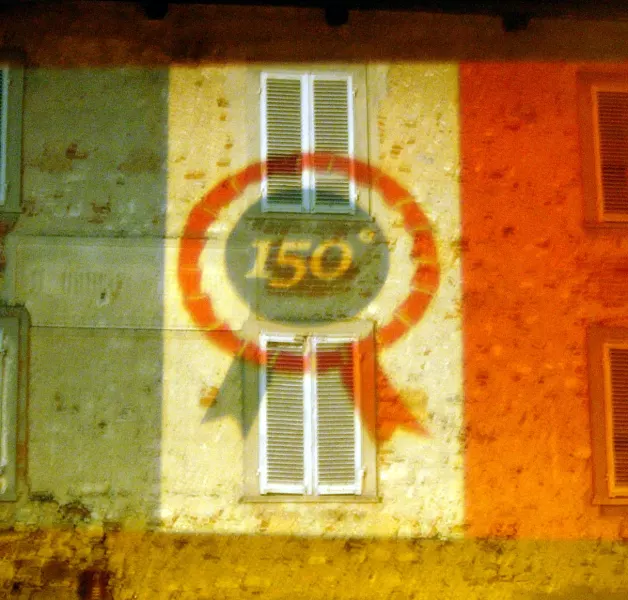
column 47, row 564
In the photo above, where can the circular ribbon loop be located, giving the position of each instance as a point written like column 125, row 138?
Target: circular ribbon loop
column 423, row 284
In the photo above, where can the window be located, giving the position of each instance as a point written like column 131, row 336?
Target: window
column 310, row 406
column 603, row 107
column 303, row 112
column 11, row 78
column 13, row 324
column 305, row 411
column 608, row 382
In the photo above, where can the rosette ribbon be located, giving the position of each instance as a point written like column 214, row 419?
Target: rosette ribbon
column 391, row 410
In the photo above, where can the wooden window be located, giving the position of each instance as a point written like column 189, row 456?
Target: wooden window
column 608, row 382
column 13, row 334
column 4, row 80
column 301, row 113
column 305, row 405
column 11, row 83
column 603, row 108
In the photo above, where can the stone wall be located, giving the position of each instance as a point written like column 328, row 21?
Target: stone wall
column 414, row 126
column 118, row 419
column 86, row 260
column 126, row 123
column 535, row 279
column 50, row 564
column 118, row 33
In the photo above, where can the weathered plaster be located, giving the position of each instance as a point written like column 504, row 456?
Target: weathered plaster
column 534, row 279
column 94, row 152
column 421, row 484
column 86, row 260
column 48, row 564
column 101, row 161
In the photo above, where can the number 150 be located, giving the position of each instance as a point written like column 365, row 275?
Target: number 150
column 290, row 255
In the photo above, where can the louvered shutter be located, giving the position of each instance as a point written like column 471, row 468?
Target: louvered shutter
column 282, row 418
column 9, row 401
column 617, row 419
column 336, row 422
column 612, row 152
column 5, row 422
column 332, row 131
column 284, row 126
column 4, row 80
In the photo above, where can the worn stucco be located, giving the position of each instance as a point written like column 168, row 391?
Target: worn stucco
column 86, row 260
column 534, row 278
column 120, row 380
column 126, row 123
column 147, row 566
column 420, row 478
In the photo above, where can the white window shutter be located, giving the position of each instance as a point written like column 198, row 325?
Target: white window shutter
column 4, row 83
column 332, row 132
column 282, row 417
column 612, row 120
column 5, row 421
column 617, row 417
column 337, row 461
column 9, row 399
column 284, row 125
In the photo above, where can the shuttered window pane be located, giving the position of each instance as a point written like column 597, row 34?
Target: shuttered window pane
column 335, row 422
column 4, row 422
column 3, row 132
column 284, row 414
column 331, row 100
column 613, row 149
column 283, row 139
column 619, row 401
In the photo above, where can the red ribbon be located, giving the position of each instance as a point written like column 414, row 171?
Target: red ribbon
column 391, row 410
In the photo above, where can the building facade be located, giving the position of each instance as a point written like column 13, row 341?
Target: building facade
column 479, row 362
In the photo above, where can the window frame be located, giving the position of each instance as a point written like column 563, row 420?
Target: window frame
column 600, row 339
column 588, row 83
column 308, row 138
column 359, row 126
column 14, row 323
column 11, row 132
column 253, row 416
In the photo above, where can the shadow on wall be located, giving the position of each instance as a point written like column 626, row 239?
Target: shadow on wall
column 89, row 267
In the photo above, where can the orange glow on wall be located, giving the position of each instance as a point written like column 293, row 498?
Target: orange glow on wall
column 534, row 278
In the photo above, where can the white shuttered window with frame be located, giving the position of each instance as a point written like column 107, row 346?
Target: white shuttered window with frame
column 603, row 116
column 616, row 383
column 608, row 389
column 310, row 428
column 12, row 352
column 11, row 86
column 4, row 95
column 302, row 113
column 611, row 137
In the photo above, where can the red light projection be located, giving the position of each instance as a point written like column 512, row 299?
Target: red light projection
column 391, row 412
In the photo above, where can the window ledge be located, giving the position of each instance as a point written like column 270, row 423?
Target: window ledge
column 614, row 510
column 601, row 500
column 606, row 225
column 289, row 498
column 292, row 216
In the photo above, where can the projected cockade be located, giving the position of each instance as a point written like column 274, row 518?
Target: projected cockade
column 307, row 269
column 312, row 269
